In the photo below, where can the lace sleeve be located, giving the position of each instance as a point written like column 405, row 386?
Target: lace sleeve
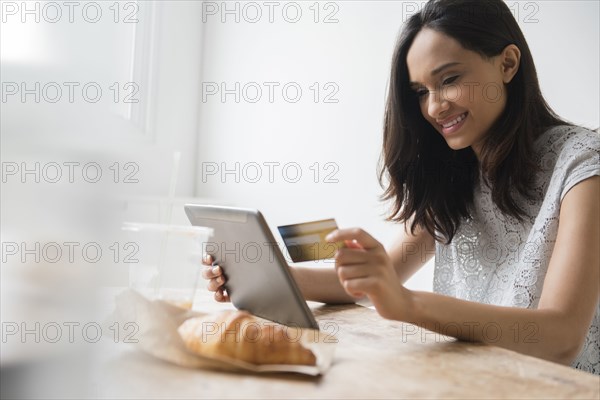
column 579, row 159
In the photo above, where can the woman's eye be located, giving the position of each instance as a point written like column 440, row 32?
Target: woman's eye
column 420, row 93
column 450, row 80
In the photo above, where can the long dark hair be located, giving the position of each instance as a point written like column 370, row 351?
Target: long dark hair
column 429, row 181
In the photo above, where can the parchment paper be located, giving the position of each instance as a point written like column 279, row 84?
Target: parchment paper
column 157, row 322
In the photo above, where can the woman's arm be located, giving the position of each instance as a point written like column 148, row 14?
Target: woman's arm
column 554, row 331
column 321, row 284
column 408, row 253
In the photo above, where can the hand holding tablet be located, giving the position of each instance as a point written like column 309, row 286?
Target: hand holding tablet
column 252, row 271
column 216, row 279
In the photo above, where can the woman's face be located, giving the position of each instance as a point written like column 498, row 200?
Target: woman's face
column 460, row 93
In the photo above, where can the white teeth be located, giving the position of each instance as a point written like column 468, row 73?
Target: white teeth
column 455, row 121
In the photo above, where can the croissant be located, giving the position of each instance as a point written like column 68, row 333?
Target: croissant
column 242, row 336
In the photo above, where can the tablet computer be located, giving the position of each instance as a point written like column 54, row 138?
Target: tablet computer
column 258, row 277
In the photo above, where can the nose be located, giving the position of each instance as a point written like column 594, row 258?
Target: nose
column 436, row 104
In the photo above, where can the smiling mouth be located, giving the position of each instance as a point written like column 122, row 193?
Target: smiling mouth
column 454, row 121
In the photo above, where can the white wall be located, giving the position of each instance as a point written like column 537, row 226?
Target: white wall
column 354, row 53
column 39, row 49
column 102, row 53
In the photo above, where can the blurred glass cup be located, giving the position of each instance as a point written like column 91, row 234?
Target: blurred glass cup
column 165, row 260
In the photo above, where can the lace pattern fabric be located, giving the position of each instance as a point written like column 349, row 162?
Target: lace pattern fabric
column 495, row 259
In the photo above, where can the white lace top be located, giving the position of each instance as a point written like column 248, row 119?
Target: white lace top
column 495, row 259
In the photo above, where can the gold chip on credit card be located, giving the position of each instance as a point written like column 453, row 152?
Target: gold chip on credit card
column 306, row 241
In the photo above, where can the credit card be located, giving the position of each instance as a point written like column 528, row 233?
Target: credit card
column 306, row 241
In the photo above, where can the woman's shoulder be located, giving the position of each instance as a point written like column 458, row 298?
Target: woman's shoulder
column 562, row 143
column 567, row 138
column 567, row 154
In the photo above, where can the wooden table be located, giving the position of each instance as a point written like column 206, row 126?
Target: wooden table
column 375, row 358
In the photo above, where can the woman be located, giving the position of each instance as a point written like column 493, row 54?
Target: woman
column 481, row 169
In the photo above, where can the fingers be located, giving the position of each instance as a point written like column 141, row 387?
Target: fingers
column 351, row 256
column 351, row 272
column 211, row 272
column 353, row 279
column 207, row 259
column 360, row 287
column 357, row 235
column 353, row 244
column 221, row 296
column 215, row 283
column 216, row 279
column 353, row 288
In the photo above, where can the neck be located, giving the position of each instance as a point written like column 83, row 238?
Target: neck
column 476, row 147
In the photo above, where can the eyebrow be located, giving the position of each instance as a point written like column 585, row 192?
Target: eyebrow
column 439, row 69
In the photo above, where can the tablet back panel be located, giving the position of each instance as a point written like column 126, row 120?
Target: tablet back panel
column 258, row 277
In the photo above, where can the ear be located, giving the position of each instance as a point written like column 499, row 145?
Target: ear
column 510, row 58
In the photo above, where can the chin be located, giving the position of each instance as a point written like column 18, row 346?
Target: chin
column 457, row 144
